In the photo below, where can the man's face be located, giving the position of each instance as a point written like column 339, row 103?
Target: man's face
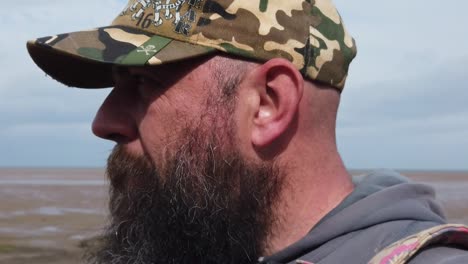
column 181, row 189
column 149, row 106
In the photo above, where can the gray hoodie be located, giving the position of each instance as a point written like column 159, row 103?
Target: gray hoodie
column 383, row 208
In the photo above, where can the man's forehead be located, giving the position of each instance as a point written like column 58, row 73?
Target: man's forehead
column 184, row 66
column 201, row 71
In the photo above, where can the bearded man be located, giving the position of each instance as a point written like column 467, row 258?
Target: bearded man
column 225, row 140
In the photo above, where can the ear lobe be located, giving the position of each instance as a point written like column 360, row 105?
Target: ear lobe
column 280, row 91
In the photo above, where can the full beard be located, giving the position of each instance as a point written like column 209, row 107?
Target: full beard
column 208, row 205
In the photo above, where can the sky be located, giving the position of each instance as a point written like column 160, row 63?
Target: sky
column 404, row 105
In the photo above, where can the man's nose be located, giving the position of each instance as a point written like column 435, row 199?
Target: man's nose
column 114, row 119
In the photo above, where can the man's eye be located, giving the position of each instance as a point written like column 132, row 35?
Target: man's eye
column 142, row 80
column 146, row 86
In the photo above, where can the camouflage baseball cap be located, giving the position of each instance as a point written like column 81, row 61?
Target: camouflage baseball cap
column 309, row 33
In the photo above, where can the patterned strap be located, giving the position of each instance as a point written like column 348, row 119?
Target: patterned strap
column 401, row 251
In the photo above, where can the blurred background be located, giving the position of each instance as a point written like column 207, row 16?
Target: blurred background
column 404, row 107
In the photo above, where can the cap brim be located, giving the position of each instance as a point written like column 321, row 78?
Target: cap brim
column 85, row 59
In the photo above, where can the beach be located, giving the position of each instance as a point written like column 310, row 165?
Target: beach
column 46, row 214
column 49, row 215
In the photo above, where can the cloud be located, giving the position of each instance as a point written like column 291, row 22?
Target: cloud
column 438, row 92
column 43, row 122
column 45, row 144
column 404, row 105
column 50, row 144
column 49, row 102
column 25, row 20
column 394, row 36
column 421, row 122
column 405, row 101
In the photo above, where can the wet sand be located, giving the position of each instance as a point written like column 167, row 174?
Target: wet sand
column 47, row 215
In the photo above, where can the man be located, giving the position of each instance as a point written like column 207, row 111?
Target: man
column 224, row 123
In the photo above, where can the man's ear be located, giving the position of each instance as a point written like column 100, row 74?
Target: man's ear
column 279, row 87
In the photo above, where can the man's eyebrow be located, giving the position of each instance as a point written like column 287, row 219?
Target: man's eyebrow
column 156, row 69
column 119, row 70
column 120, row 73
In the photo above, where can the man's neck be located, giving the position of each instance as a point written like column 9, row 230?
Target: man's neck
column 307, row 197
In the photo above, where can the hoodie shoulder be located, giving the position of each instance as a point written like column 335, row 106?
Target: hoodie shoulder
column 384, row 207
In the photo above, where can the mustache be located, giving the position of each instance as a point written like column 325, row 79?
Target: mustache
column 135, row 168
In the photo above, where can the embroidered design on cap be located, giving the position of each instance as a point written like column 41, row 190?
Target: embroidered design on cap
column 164, row 11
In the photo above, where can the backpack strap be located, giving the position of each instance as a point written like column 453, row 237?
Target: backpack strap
column 402, row 250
